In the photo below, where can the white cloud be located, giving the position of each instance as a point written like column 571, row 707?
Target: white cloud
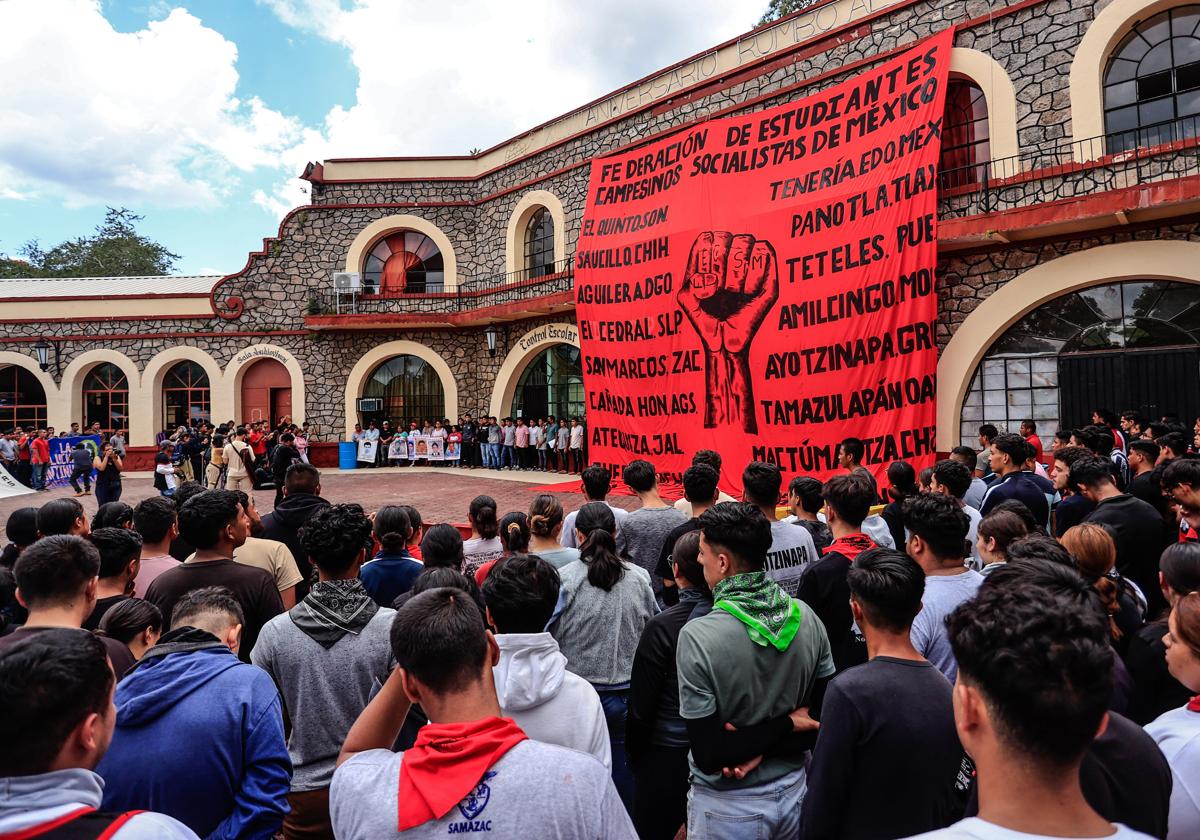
column 143, row 117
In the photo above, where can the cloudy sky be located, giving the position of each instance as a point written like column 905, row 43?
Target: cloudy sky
column 199, row 114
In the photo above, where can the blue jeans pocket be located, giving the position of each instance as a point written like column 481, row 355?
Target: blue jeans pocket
column 731, row 827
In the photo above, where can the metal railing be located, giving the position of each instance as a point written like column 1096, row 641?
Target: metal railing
column 1068, row 169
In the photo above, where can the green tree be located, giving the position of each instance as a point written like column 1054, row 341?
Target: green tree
column 116, row 250
column 782, row 8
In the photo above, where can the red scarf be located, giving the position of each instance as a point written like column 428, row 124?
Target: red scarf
column 447, row 762
column 1194, row 704
column 851, row 545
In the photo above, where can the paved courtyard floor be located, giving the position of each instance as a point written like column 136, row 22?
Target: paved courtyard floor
column 441, row 494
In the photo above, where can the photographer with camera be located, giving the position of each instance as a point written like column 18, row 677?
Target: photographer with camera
column 108, row 468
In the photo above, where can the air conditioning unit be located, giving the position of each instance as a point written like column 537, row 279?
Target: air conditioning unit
column 347, row 281
column 370, row 405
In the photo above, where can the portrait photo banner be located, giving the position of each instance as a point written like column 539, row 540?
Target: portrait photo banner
column 763, row 285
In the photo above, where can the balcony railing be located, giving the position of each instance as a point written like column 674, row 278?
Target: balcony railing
column 1160, row 152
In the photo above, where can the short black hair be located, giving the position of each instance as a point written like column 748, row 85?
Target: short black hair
column 1020, row 509
column 188, row 490
column 741, row 529
column 55, row 570
column 1181, row 471
column 217, row 601
column 954, row 476
column 205, row 515
column 1060, row 579
column 112, row 515
column 1147, row 448
column 685, row 555
column 1014, row 446
column 521, row 592
column 888, row 585
column 21, row 527
column 988, row 432
column 1068, row 455
column 153, row 518
column 438, row 638
column 639, row 476
column 334, row 537
column 287, row 437
column 854, row 448
column 1043, row 667
column 700, row 483
column 117, row 547
column 1038, row 545
column 808, row 490
column 940, row 522
column 1099, row 439
column 851, row 496
column 1175, row 441
column 903, row 478
column 50, row 682
column 708, row 457
column 442, row 545
column 970, row 458
column 301, row 478
column 761, row 482
column 596, row 482
column 1091, row 473
column 58, row 516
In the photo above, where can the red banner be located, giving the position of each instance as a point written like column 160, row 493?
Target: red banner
column 763, row 285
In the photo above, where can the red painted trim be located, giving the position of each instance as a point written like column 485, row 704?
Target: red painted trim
column 138, row 336
column 104, row 297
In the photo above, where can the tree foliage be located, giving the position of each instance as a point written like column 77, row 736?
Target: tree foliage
column 116, row 250
column 782, row 8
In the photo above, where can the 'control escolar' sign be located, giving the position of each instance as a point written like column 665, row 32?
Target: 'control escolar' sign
column 763, row 285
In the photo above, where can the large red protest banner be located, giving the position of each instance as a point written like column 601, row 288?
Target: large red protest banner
column 763, row 285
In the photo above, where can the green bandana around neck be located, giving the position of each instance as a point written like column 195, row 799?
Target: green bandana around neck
column 771, row 616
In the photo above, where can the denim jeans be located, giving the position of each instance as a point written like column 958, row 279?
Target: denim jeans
column 508, row 456
column 81, row 472
column 39, row 476
column 615, row 703
column 763, row 812
column 493, row 450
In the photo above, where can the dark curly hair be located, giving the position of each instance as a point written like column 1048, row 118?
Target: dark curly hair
column 335, row 536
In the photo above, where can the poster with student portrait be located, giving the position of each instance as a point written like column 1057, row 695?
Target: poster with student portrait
column 421, row 448
column 410, row 446
column 398, row 450
column 367, row 450
column 453, row 450
column 763, row 284
column 437, row 451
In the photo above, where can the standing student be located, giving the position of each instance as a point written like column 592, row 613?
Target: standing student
column 491, row 772
column 301, row 501
column 656, row 741
column 495, row 435
column 57, row 725
column 325, row 655
column 851, row 452
column 39, row 459
column 1009, row 454
column 282, row 457
column 646, row 528
column 190, row 705
column 966, row 456
column 564, row 446
column 62, row 516
column 1032, row 695
column 576, row 445
column 484, row 545
column 1072, row 507
column 508, row 441
column 700, row 492
column 709, row 458
column 108, row 475
column 1029, row 432
column 792, row 549
column 950, row 478
column 522, row 443
column 757, row 662
column 120, row 552
column 937, row 536
column 987, row 437
column 537, row 440
column 81, row 467
column 897, row 704
column 156, row 521
column 597, row 481
column 272, row 556
column 805, row 502
column 239, row 461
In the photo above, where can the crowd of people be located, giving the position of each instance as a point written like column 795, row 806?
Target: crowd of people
column 1005, row 644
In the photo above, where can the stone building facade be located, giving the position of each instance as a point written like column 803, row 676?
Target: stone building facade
column 1069, row 197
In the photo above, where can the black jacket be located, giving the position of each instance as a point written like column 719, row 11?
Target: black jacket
column 285, row 522
column 282, row 457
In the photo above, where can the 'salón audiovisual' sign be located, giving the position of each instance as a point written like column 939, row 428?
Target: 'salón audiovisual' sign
column 763, row 285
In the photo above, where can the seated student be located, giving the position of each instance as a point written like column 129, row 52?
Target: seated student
column 656, row 736
column 848, row 499
column 470, row 770
column 805, row 502
column 56, row 689
column 1123, row 775
column 56, row 582
column 199, row 734
column 937, row 540
column 392, row 571
column 62, row 516
column 325, row 655
column 1035, row 675
column 897, row 704
column 533, row 685
column 758, row 662
column 120, row 553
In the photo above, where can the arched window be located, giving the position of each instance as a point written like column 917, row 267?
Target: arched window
column 410, row 389
column 1152, row 83
column 552, row 384
column 106, row 398
column 186, row 396
column 404, row 262
column 22, row 399
column 966, row 146
column 539, row 244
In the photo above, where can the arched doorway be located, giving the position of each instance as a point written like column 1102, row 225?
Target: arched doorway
column 186, row 396
column 403, row 389
column 106, row 398
column 22, row 399
column 266, row 392
column 1133, row 344
column 551, row 384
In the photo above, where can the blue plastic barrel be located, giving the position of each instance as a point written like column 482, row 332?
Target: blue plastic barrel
column 347, row 455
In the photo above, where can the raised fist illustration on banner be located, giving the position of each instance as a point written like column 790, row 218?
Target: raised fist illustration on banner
column 730, row 284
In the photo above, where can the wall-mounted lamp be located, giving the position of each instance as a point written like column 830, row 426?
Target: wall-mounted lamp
column 42, row 349
column 491, row 335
